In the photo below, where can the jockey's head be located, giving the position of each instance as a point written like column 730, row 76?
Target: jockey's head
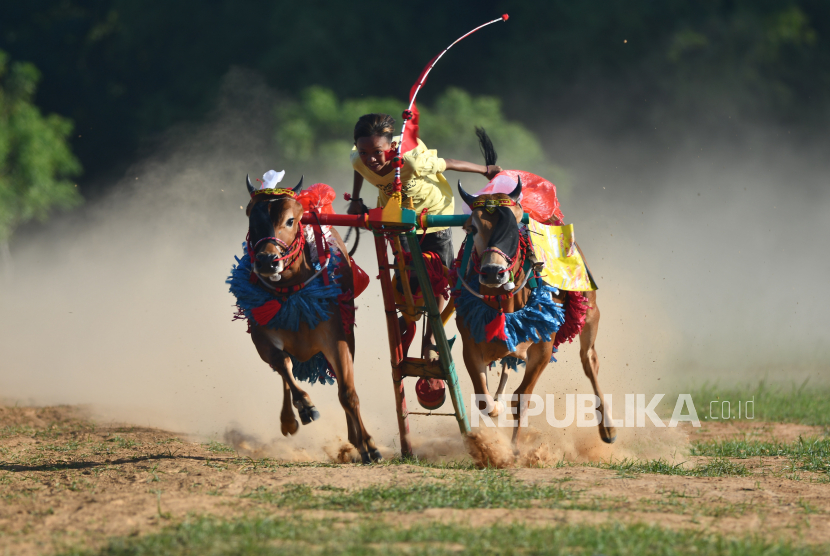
column 373, row 140
column 273, row 224
column 494, row 223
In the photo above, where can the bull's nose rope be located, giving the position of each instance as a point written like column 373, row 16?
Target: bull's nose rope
column 507, row 295
column 296, row 288
column 521, row 249
column 512, row 260
column 289, row 251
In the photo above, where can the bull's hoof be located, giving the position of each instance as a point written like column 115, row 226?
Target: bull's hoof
column 289, row 427
column 498, row 408
column 308, row 414
column 609, row 436
column 369, row 458
column 375, row 455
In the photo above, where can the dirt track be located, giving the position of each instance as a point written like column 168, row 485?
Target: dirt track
column 65, row 480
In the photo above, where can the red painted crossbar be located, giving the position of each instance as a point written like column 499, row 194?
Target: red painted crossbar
column 353, row 220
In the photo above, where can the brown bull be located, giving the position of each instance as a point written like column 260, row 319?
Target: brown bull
column 281, row 261
column 497, row 265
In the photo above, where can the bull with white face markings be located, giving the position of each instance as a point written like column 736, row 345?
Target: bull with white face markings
column 298, row 312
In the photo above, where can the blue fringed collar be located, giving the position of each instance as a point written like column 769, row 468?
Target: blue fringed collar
column 312, row 304
column 538, row 320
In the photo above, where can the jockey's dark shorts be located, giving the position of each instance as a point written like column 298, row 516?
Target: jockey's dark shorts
column 439, row 243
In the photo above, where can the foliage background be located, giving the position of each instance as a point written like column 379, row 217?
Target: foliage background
column 35, row 161
column 126, row 70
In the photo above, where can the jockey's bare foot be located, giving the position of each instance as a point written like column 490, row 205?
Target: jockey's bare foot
column 430, row 351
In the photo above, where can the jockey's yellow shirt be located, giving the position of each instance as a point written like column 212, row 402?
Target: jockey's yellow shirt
column 422, row 180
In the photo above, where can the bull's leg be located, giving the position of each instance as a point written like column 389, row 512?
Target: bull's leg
column 288, row 422
column 339, row 357
column 505, row 376
column 477, row 368
column 590, row 364
column 281, row 362
column 538, row 357
column 498, row 399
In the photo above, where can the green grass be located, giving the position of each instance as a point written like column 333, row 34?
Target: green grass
column 489, row 488
column 11, row 431
column 465, row 465
column 805, row 454
column 295, row 535
column 268, row 464
column 122, row 443
column 716, row 467
column 805, row 403
column 218, row 448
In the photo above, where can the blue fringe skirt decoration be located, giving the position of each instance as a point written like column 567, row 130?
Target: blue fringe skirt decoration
column 313, row 304
column 538, row 320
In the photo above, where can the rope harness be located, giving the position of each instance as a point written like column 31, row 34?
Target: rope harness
column 290, row 252
column 496, row 328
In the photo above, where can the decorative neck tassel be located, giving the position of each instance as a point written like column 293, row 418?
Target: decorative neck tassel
column 264, row 313
column 495, row 328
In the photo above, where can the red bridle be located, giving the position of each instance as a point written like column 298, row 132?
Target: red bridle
column 512, row 260
column 290, row 252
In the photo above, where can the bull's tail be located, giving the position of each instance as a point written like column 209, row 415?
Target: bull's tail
column 486, row 145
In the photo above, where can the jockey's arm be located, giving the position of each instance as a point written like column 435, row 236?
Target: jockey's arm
column 356, row 205
column 463, row 166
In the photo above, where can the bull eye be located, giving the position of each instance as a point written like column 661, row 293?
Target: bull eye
column 473, row 230
column 290, row 222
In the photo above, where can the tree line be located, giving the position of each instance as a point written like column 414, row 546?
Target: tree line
column 123, row 70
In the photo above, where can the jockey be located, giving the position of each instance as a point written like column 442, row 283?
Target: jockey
column 422, row 177
column 423, row 184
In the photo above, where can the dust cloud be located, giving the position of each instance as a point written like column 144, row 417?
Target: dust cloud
column 705, row 267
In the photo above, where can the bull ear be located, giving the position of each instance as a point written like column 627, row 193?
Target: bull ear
column 299, row 185
column 466, row 197
column 251, row 187
column 517, row 192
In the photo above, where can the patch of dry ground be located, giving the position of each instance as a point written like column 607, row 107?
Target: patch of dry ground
column 752, row 430
column 65, row 480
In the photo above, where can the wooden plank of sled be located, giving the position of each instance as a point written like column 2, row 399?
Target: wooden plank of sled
column 412, row 366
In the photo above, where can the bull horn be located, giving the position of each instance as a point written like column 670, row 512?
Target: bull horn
column 251, row 187
column 517, row 192
column 299, row 186
column 466, row 197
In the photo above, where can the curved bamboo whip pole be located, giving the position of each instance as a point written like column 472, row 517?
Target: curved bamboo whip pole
column 420, row 84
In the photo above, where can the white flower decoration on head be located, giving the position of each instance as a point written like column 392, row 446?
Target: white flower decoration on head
column 271, row 178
